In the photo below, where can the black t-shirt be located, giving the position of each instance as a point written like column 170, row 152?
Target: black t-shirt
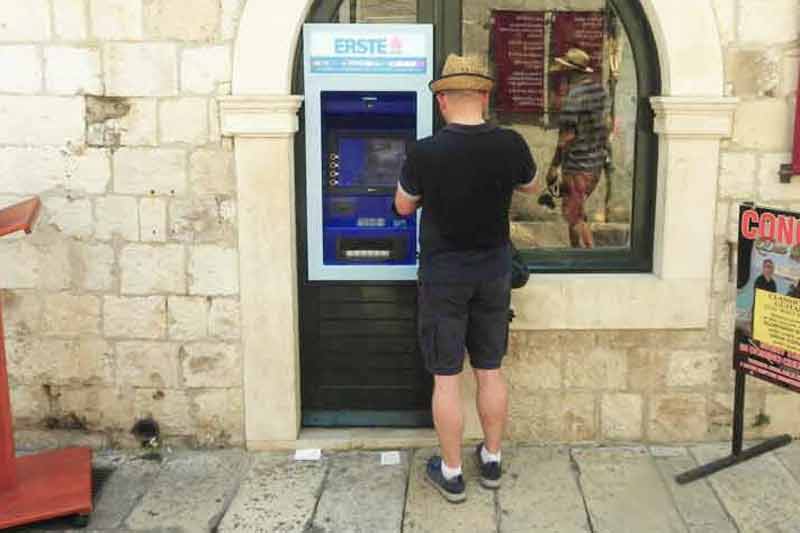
column 465, row 176
column 763, row 284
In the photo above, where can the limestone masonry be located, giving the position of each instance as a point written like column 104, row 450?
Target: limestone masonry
column 124, row 302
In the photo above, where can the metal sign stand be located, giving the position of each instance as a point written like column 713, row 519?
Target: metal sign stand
column 46, row 485
column 738, row 455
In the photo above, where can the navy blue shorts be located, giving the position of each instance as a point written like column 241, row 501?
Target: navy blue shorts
column 459, row 317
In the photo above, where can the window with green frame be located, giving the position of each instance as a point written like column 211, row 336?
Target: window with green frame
column 619, row 208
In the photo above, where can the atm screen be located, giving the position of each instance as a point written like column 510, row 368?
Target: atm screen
column 370, row 161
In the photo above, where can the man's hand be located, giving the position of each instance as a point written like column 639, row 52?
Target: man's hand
column 553, row 175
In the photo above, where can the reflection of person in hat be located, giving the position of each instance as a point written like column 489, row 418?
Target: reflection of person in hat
column 463, row 177
column 582, row 140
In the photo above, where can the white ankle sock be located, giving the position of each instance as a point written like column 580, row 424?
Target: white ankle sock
column 487, row 457
column 450, row 473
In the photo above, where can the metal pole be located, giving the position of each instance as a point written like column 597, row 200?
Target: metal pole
column 738, row 413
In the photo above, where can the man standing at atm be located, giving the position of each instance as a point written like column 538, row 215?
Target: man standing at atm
column 463, row 177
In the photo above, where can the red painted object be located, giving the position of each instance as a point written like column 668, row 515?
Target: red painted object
column 50, row 484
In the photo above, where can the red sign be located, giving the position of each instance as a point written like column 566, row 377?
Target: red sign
column 518, row 44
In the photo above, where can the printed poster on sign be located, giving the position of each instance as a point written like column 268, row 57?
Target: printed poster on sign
column 767, row 333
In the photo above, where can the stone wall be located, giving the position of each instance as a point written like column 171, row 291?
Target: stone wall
column 124, row 302
column 678, row 385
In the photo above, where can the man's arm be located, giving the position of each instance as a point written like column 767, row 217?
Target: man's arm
column 404, row 203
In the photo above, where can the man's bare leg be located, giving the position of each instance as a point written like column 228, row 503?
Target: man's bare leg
column 448, row 417
column 574, row 236
column 492, row 402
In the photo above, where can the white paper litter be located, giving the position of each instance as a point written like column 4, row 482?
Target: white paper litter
column 313, row 454
column 390, row 458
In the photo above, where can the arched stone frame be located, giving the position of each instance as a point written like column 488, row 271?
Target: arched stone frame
column 692, row 116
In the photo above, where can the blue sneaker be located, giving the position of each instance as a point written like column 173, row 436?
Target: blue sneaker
column 454, row 490
column 491, row 472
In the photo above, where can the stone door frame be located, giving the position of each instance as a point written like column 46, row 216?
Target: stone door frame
column 692, row 116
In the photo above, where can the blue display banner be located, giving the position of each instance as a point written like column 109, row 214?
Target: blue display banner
column 359, row 65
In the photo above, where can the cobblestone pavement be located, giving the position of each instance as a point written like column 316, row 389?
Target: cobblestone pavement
column 545, row 489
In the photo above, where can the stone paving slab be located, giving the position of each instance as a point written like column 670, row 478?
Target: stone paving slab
column 761, row 494
column 540, row 492
column 428, row 512
column 790, row 457
column 191, row 492
column 125, row 487
column 696, row 502
column 278, row 495
column 362, row 496
column 624, row 492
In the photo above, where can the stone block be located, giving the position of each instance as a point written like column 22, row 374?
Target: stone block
column 770, row 188
column 218, row 417
column 101, row 408
column 76, row 362
column 140, row 126
column 94, row 267
column 171, row 408
column 30, row 170
column 737, row 175
column 141, row 69
column 621, row 416
column 224, row 319
column 116, row 20
column 54, row 260
column 212, row 480
column 21, row 262
column 187, row 318
column 33, row 120
column 375, row 504
column 88, row 171
column 204, row 68
column 753, row 72
column 148, row 364
column 211, row 365
column 677, row 417
column 21, row 66
column 30, row 405
column 166, row 19
column 36, row 17
column 73, row 217
column 148, row 269
column 291, row 488
column 153, row 220
column 783, row 411
column 552, row 416
column 691, row 368
column 117, row 217
column 184, row 120
column 135, row 318
column 203, row 219
column 158, row 171
column 599, row 368
column 768, row 21
column 69, row 19
column 72, row 70
column 764, row 124
column 530, row 368
column 22, row 312
column 213, row 271
column 69, row 315
column 212, row 172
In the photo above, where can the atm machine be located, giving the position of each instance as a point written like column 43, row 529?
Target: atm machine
column 366, row 100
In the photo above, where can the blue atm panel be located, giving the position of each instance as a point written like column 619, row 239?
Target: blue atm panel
column 366, row 99
column 366, row 135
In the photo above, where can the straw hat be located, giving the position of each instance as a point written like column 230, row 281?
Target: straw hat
column 574, row 59
column 463, row 73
